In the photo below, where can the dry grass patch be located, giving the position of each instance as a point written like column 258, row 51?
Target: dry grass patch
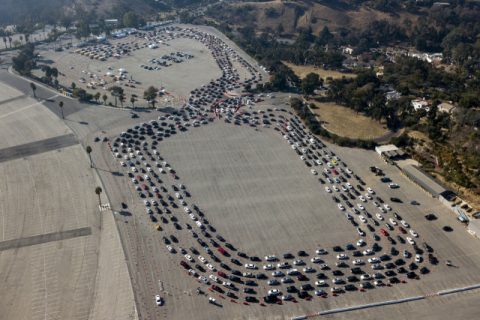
column 346, row 122
column 302, row 71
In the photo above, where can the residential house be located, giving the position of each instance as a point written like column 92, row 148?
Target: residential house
column 420, row 103
column 447, row 107
column 365, row 56
column 392, row 95
column 348, row 50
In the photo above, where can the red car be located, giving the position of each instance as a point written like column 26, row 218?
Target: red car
column 402, row 230
column 222, row 274
column 184, row 264
column 174, row 176
column 335, row 171
column 211, row 119
column 222, row 251
column 139, row 178
column 144, row 187
column 301, row 277
column 167, row 115
column 385, row 233
column 157, row 195
column 216, row 288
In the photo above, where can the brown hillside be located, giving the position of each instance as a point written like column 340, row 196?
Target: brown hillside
column 329, row 13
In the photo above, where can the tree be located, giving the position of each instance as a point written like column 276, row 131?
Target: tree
column 16, row 43
column 21, row 39
column 121, row 97
column 132, row 100
column 116, row 91
column 5, row 41
column 279, row 29
column 10, row 40
column 130, row 20
column 60, row 104
column 74, row 85
column 79, row 93
column 97, row 96
column 248, row 87
column 310, row 82
column 88, row 149
column 34, row 87
column 104, row 97
column 98, row 191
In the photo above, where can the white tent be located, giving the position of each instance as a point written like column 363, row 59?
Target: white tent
column 110, row 74
column 121, row 70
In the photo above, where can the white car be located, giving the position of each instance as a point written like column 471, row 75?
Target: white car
column 274, row 292
column 293, row 147
column 134, row 180
column 158, row 300
column 342, row 256
column 277, row 274
column 204, row 280
column 170, row 248
column 330, row 165
column 187, row 210
column 122, row 164
column 341, row 207
column 213, row 278
column 362, row 219
column 375, row 203
column 373, row 260
column 308, row 269
column 328, row 190
column 410, row 241
column 193, row 217
column 209, row 266
column 269, row 267
column 337, row 280
column 368, row 196
column 405, row 224
column 270, row 258
column 393, row 185
column 313, row 172
column 368, row 251
column 386, row 206
column 418, row 258
column 357, row 262
column 202, row 259
column 329, row 180
column 362, row 198
column 393, row 221
column 320, row 283
column 298, row 262
column 161, row 170
column 134, row 169
column 326, row 170
column 178, row 195
column 319, row 162
column 377, row 266
column 343, row 188
column 303, row 158
column 370, row 191
column 359, row 205
column 188, row 257
column 316, row 260
column 336, row 189
column 349, row 185
column 283, row 265
column 349, row 171
column 366, row 277
column 250, row 266
column 377, row 275
column 360, row 242
column 321, row 251
column 382, row 210
column 413, row 233
column 379, row 216
column 292, row 272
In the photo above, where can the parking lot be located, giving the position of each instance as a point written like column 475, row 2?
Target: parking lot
column 256, row 193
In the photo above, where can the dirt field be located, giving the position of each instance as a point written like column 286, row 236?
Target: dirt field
column 302, row 71
column 346, row 122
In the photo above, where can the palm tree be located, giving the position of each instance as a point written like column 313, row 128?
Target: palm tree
column 34, row 87
column 98, row 191
column 97, row 96
column 89, row 150
column 73, row 85
column 104, row 97
column 60, row 104
column 5, row 41
column 114, row 95
column 21, row 39
column 121, row 97
column 10, row 40
column 132, row 100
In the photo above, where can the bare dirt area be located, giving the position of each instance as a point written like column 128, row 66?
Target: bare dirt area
column 346, row 122
column 302, row 71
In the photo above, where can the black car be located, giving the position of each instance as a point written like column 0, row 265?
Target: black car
column 234, row 278
column 241, row 254
column 400, row 239
column 412, row 266
column 369, row 227
column 250, row 299
column 288, row 256
column 356, row 253
column 411, row 275
column 390, row 265
column 213, row 242
column 393, row 280
column 391, row 240
column 214, row 257
column 236, row 272
column 337, row 248
column 334, row 199
column 219, row 237
column 270, row 299
column 200, row 241
column 303, row 294
column 301, row 253
column 254, row 259
column 231, row 295
column 306, row 287
column 343, row 196
column 352, row 278
column 375, row 246
column 224, row 266
column 447, row 228
column 249, row 283
column 165, row 239
column 379, row 199
column 401, row 270
column 320, row 276
column 177, row 226
column 153, row 219
column 397, row 216
column 355, row 270
column 349, row 204
column 260, row 276
column 423, row 270
column 395, row 200
column 349, row 287
column 233, row 260
column 291, row 289
column 389, row 273
column 199, row 267
column 228, row 245
column 399, row 262
column 336, row 272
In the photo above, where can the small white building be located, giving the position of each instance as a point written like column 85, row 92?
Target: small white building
column 447, row 107
column 420, row 103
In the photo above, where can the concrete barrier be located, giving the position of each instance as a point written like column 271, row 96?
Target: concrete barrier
column 459, row 290
column 370, row 305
